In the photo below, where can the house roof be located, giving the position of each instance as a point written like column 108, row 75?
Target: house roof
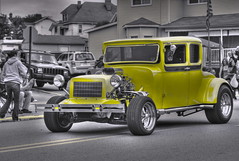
column 101, row 27
column 42, row 19
column 225, row 20
column 59, row 40
column 45, row 18
column 142, row 22
column 90, row 12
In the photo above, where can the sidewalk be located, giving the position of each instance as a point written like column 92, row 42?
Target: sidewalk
column 37, row 113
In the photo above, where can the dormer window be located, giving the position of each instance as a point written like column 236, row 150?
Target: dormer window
column 65, row 17
column 141, row 2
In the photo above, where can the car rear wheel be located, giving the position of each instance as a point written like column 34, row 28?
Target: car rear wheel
column 222, row 111
column 141, row 116
column 58, row 121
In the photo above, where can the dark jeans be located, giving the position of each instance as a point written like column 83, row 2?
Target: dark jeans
column 13, row 89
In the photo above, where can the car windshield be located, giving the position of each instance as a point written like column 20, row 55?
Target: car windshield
column 43, row 58
column 139, row 53
column 83, row 56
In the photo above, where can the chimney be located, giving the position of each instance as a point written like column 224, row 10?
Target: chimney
column 108, row 5
column 78, row 4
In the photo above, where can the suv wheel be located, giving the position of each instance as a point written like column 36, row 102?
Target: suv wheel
column 222, row 111
column 58, row 121
column 40, row 84
column 141, row 116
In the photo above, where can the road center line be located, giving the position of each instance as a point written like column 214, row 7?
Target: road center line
column 47, row 144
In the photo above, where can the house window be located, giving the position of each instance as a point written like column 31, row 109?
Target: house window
column 133, row 37
column 178, row 33
column 197, row 1
column 80, row 28
column 56, row 29
column 148, row 36
column 62, row 32
column 141, row 2
column 65, row 17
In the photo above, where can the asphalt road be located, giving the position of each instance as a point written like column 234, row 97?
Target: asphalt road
column 175, row 138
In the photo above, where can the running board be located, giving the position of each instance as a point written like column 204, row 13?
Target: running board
column 181, row 109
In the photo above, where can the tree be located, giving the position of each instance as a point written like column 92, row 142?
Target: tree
column 32, row 18
column 13, row 25
column 4, row 27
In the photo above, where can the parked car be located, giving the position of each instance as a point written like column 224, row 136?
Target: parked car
column 143, row 79
column 99, row 64
column 44, row 67
column 76, row 61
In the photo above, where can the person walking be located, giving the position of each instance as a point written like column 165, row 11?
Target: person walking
column 13, row 74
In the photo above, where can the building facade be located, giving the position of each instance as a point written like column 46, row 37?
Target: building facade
column 159, row 18
column 77, row 18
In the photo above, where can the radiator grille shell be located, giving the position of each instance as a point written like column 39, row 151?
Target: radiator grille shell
column 53, row 71
column 87, row 89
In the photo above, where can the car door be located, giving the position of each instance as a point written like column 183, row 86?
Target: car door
column 175, row 76
column 195, row 65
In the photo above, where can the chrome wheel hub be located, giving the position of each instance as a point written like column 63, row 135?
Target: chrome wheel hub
column 226, row 104
column 148, row 116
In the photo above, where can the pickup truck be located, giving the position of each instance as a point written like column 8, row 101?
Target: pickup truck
column 142, row 79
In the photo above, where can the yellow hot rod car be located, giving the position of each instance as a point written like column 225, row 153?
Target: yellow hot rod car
column 141, row 80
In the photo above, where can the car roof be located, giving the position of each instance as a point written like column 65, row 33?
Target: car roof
column 37, row 51
column 70, row 52
column 160, row 39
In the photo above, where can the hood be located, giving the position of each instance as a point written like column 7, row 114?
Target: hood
column 54, row 66
column 12, row 60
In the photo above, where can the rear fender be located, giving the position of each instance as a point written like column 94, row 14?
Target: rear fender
column 209, row 90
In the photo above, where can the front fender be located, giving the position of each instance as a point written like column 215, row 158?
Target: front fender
column 209, row 89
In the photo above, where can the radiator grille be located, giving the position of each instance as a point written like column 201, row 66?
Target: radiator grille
column 52, row 71
column 87, row 89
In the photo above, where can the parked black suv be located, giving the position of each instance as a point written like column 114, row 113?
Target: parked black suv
column 44, row 67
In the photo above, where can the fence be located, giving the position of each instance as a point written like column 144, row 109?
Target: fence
column 217, row 56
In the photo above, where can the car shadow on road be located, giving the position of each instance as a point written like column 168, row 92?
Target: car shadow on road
column 110, row 129
column 180, row 123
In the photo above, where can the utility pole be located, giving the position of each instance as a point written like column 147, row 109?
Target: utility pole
column 209, row 15
column 30, row 50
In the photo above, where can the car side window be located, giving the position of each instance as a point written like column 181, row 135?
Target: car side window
column 60, row 58
column 70, row 56
column 194, row 53
column 175, row 54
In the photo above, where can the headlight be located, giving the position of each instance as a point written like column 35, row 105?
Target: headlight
column 59, row 80
column 115, row 80
column 39, row 70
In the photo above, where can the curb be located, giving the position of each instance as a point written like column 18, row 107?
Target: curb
column 22, row 118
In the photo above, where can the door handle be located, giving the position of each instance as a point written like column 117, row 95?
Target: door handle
column 187, row 69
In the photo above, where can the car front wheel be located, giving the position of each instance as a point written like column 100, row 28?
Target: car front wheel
column 141, row 116
column 57, row 121
column 222, row 111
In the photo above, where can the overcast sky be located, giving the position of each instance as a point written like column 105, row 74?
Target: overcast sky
column 51, row 8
